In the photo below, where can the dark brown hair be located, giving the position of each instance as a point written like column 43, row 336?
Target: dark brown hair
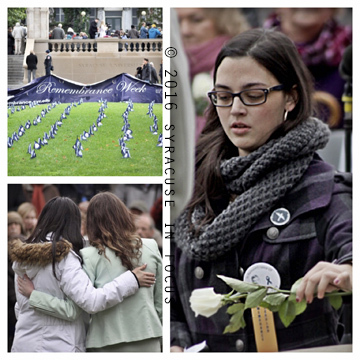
column 110, row 224
column 277, row 53
column 60, row 219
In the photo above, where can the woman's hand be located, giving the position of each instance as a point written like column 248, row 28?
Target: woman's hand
column 145, row 278
column 25, row 286
column 322, row 278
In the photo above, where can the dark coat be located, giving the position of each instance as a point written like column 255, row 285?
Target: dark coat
column 31, row 62
column 153, row 76
column 48, row 64
column 145, row 73
column 320, row 229
column 93, row 29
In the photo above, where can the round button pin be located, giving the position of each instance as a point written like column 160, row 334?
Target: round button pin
column 280, row 216
column 262, row 274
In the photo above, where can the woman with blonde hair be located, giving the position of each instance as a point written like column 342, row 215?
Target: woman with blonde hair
column 203, row 33
column 102, row 29
column 29, row 215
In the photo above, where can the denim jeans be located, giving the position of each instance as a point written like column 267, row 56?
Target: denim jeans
column 33, row 74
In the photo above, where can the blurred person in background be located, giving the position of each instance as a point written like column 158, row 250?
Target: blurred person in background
column 29, row 215
column 15, row 225
column 203, row 32
column 145, row 228
column 321, row 41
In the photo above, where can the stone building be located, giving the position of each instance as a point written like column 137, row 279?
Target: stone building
column 89, row 61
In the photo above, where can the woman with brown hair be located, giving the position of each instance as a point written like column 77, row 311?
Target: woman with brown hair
column 51, row 258
column 262, row 195
column 135, row 325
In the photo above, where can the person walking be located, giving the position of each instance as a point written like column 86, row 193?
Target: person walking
column 31, row 62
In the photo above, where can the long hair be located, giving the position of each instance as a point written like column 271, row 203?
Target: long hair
column 60, row 219
column 110, row 224
column 277, row 53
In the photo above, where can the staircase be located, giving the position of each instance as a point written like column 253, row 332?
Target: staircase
column 15, row 71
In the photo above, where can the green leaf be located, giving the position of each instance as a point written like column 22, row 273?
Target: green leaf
column 269, row 306
column 335, row 301
column 255, row 298
column 276, row 299
column 236, row 322
column 235, row 308
column 287, row 312
column 294, row 289
column 300, row 307
column 238, row 285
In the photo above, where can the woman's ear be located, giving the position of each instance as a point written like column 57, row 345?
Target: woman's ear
column 291, row 99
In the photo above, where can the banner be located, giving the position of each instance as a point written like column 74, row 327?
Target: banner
column 49, row 89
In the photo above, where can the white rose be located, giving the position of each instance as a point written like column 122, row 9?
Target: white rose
column 205, row 302
column 202, row 83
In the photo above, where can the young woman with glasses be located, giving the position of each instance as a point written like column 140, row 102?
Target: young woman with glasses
column 256, row 159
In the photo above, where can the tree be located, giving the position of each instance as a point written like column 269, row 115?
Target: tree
column 16, row 15
column 153, row 16
column 74, row 19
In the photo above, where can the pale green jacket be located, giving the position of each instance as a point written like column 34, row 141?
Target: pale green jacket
column 136, row 318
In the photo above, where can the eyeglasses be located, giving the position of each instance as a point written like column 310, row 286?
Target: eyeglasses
column 250, row 97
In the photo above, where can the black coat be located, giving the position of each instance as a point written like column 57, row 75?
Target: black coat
column 153, row 76
column 93, row 29
column 145, row 74
column 31, row 62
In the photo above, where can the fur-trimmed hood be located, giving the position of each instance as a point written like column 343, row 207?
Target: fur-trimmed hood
column 37, row 254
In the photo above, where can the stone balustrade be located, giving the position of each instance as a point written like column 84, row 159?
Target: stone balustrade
column 91, row 60
column 107, row 45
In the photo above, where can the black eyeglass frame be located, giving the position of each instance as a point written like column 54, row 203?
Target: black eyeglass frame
column 266, row 92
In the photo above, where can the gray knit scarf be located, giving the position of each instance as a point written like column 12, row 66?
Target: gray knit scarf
column 259, row 180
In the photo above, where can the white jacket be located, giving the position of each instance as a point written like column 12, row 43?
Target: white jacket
column 18, row 32
column 39, row 332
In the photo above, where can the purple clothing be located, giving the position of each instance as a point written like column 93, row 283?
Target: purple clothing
column 320, row 229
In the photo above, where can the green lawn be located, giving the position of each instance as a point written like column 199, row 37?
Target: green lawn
column 101, row 155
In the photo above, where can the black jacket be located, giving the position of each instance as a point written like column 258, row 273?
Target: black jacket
column 31, row 62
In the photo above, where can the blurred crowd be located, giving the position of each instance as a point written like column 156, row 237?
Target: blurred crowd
column 100, row 29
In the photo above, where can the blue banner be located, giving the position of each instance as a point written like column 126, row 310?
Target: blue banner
column 123, row 87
